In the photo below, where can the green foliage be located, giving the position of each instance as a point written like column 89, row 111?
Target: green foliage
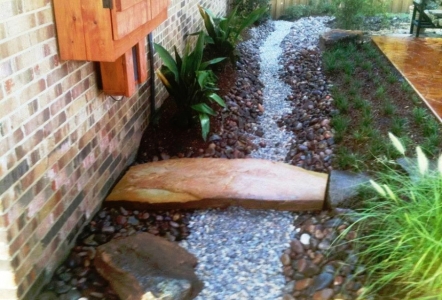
column 419, row 115
column 314, row 8
column 399, row 236
column 341, row 103
column 190, row 83
column 245, row 7
column 350, row 13
column 340, row 123
column 430, row 127
column 223, row 33
column 398, row 126
column 297, row 11
column 388, row 108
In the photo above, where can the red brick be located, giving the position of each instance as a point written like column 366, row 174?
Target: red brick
column 6, row 69
column 45, row 16
column 32, row 90
column 42, row 34
column 12, row 47
column 29, row 57
column 2, row 31
column 37, row 121
column 10, row 8
column 29, row 5
column 20, row 24
column 57, row 75
column 50, row 203
column 51, row 93
column 18, row 81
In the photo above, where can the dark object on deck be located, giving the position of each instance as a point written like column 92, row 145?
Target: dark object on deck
column 425, row 18
column 335, row 37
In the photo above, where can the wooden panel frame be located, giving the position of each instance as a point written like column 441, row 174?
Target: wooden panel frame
column 95, row 22
column 118, row 77
column 128, row 20
column 70, row 29
column 121, row 5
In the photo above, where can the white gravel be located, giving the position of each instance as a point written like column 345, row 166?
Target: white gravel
column 238, row 250
column 275, row 92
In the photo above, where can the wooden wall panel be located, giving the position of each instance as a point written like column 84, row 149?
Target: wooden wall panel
column 70, row 30
column 97, row 30
column 129, row 19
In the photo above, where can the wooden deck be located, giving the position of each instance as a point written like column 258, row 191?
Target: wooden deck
column 419, row 60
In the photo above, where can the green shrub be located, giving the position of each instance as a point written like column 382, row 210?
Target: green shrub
column 190, row 83
column 245, row 7
column 314, row 8
column 349, row 13
column 223, row 33
column 297, row 11
column 399, row 232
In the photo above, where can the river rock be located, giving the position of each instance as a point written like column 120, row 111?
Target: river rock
column 144, row 265
column 343, row 187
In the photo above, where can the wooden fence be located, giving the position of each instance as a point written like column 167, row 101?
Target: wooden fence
column 279, row 6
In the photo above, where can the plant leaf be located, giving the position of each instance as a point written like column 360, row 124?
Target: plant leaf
column 396, row 143
column 205, row 64
column 208, row 23
column 390, row 192
column 163, row 79
column 178, row 60
column 167, row 60
column 217, row 99
column 439, row 164
column 422, row 161
column 204, row 108
column 202, row 77
column 205, row 124
column 250, row 19
column 378, row 188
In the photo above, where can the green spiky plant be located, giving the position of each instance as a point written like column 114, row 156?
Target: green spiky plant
column 191, row 84
column 223, row 33
column 399, row 232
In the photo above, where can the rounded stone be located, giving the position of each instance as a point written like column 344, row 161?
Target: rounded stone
column 322, row 281
column 285, row 259
column 325, row 294
column 47, row 295
column 305, row 239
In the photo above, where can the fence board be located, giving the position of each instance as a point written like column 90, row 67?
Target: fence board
column 279, row 6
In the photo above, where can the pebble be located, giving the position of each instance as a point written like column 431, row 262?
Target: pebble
column 305, row 239
column 325, row 294
column 322, row 281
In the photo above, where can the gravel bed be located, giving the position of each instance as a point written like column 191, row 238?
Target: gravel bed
column 275, row 141
column 238, row 252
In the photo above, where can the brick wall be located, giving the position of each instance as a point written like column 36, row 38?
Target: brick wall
column 63, row 143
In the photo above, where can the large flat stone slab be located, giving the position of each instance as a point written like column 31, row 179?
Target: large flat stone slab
column 214, row 182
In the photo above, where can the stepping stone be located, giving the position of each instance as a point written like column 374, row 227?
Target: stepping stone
column 144, row 266
column 214, row 182
column 338, row 36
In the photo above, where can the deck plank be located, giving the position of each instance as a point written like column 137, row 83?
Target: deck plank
column 419, row 60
